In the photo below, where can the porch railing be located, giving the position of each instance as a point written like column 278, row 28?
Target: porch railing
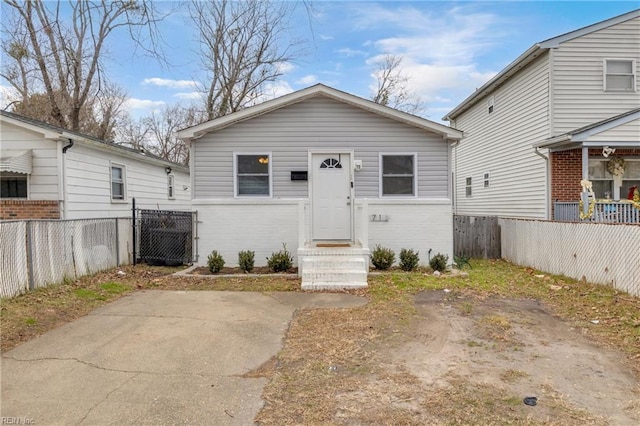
column 603, row 212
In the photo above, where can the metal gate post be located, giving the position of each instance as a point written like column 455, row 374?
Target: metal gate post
column 133, row 228
column 30, row 255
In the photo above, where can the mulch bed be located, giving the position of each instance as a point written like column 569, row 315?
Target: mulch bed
column 259, row 270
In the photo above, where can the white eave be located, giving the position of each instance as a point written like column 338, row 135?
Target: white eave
column 527, row 57
column 195, row 132
column 16, row 161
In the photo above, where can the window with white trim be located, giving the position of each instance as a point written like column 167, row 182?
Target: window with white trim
column 118, row 182
column 490, row 104
column 171, row 191
column 619, row 75
column 467, row 188
column 13, row 185
column 253, row 175
column 398, row 177
column 485, row 180
column 602, row 180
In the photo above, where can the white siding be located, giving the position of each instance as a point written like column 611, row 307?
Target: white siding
column 88, row 184
column 578, row 95
column 500, row 144
column 43, row 181
column 628, row 132
column 317, row 123
column 262, row 226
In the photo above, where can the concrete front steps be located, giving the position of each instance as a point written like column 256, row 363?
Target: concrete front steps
column 333, row 268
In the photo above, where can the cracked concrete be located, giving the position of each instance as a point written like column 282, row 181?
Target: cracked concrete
column 156, row 358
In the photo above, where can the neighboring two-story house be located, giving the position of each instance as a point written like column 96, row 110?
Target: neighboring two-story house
column 566, row 110
column 47, row 172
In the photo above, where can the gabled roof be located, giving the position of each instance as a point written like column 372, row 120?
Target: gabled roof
column 195, row 132
column 532, row 53
column 580, row 137
column 55, row 133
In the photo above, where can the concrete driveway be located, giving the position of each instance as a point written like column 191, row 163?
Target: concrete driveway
column 155, row 357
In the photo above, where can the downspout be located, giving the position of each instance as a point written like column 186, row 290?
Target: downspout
column 454, row 176
column 64, row 209
column 547, row 194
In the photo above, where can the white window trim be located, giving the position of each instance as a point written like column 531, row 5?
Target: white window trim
column 235, row 173
column 124, row 182
column 468, row 185
column 415, row 174
column 486, row 180
column 171, row 186
column 633, row 73
column 491, row 105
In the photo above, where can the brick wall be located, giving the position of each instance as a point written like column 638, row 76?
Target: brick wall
column 29, row 209
column 566, row 171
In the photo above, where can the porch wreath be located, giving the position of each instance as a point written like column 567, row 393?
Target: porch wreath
column 615, row 166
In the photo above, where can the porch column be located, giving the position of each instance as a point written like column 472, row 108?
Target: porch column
column 302, row 226
column 585, row 163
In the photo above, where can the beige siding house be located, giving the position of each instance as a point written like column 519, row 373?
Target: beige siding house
column 321, row 167
column 562, row 112
column 50, row 173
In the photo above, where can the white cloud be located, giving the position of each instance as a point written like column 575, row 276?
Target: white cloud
column 7, row 95
column 325, row 37
column 274, row 90
column 285, row 67
column 171, row 84
column 308, row 80
column 348, row 52
column 142, row 104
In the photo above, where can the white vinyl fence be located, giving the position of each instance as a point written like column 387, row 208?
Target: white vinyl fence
column 37, row 253
column 601, row 253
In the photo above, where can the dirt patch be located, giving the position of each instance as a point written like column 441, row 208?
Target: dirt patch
column 501, row 351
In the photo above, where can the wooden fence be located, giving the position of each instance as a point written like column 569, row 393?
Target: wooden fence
column 476, row 236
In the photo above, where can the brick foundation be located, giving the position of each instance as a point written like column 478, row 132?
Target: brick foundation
column 29, row 209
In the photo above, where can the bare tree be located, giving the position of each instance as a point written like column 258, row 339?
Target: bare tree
column 243, row 45
column 392, row 86
column 161, row 131
column 59, row 51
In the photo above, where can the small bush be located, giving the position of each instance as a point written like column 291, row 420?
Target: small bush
column 215, row 262
column 382, row 257
column 280, row 261
column 409, row 260
column 439, row 262
column 246, row 259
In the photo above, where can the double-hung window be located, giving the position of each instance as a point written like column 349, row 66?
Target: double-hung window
column 398, row 177
column 619, row 75
column 468, row 187
column 118, row 182
column 253, row 175
column 171, row 190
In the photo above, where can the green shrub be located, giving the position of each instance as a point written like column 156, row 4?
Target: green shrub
column 382, row 257
column 439, row 262
column 246, row 259
column 280, row 261
column 215, row 262
column 409, row 260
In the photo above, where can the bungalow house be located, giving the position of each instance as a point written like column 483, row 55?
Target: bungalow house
column 328, row 174
column 47, row 172
column 564, row 112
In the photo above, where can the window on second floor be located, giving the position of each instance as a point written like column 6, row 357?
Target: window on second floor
column 171, row 191
column 468, row 187
column 619, row 75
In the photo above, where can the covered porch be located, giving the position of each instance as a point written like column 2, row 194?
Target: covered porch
column 594, row 171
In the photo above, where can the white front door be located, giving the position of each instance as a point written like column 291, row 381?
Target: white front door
column 331, row 196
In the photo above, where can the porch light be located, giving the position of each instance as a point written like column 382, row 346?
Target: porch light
column 263, row 160
column 606, row 151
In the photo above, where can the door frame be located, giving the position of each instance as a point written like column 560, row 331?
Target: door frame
column 325, row 151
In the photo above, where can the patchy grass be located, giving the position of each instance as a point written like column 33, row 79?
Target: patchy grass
column 329, row 367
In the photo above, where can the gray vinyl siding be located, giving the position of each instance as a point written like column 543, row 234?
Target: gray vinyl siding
column 628, row 132
column 500, row 144
column 319, row 123
column 578, row 95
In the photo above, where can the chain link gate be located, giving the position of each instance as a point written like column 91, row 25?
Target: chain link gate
column 163, row 237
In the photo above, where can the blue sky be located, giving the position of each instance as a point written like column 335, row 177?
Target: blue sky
column 449, row 47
